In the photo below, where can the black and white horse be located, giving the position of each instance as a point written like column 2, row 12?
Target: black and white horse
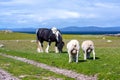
column 49, row 35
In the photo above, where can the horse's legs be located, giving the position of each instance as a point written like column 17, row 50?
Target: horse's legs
column 42, row 46
column 47, row 49
column 39, row 47
column 56, row 49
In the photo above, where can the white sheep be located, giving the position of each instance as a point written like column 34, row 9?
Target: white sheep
column 88, row 47
column 73, row 49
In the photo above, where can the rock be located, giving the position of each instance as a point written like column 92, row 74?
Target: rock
column 104, row 38
column 32, row 41
column 7, row 31
column 1, row 45
column 109, row 41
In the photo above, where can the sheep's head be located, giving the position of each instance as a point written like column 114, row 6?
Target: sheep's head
column 90, row 49
column 74, row 51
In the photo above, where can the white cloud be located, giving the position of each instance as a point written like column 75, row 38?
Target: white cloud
column 106, row 5
column 89, row 15
column 5, row 14
column 62, row 14
column 68, row 14
column 49, row 14
column 17, row 2
column 22, row 21
column 23, row 16
column 36, row 11
column 11, row 12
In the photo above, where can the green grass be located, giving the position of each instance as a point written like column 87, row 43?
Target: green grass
column 106, row 66
column 16, row 36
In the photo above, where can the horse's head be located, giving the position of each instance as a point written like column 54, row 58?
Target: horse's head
column 60, row 46
column 58, row 38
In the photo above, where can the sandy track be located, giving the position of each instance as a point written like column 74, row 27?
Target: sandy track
column 65, row 72
column 6, row 76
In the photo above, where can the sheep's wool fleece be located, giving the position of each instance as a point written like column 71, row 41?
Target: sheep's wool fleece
column 87, row 43
column 72, row 44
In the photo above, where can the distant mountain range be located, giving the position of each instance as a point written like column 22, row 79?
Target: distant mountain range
column 75, row 29
column 90, row 28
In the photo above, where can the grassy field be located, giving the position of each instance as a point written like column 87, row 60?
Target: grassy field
column 106, row 65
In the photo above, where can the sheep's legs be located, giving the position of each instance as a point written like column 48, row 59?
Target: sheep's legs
column 85, row 55
column 93, row 54
column 70, row 57
column 88, row 55
column 77, row 56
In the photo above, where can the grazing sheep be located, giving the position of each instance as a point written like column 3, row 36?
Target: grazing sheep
column 88, row 47
column 73, row 48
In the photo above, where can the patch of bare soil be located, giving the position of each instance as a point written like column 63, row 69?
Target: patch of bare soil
column 6, row 76
column 65, row 72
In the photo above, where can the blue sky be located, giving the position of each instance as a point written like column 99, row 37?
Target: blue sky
column 59, row 13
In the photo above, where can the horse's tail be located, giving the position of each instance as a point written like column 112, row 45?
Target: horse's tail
column 37, row 34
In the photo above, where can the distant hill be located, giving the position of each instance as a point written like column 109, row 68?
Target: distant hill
column 74, row 30
column 90, row 28
column 27, row 30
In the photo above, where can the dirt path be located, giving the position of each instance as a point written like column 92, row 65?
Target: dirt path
column 65, row 72
column 6, row 76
